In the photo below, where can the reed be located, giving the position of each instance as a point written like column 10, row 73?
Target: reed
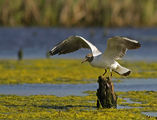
column 69, row 13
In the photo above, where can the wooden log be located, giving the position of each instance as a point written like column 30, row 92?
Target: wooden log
column 106, row 96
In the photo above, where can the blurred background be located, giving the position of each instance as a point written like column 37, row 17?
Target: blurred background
column 30, row 28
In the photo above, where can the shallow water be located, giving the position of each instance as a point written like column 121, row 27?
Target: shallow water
column 136, row 85
column 76, row 89
column 153, row 114
column 35, row 42
column 47, row 89
column 128, row 100
column 126, row 107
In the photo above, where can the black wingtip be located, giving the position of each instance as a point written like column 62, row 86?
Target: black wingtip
column 127, row 73
column 138, row 45
column 51, row 53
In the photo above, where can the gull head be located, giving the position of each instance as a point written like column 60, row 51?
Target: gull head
column 89, row 57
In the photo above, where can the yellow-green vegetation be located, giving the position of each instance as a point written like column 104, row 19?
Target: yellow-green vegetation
column 64, row 71
column 70, row 107
column 147, row 99
column 78, row 12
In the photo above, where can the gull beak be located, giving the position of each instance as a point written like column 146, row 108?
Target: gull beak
column 85, row 60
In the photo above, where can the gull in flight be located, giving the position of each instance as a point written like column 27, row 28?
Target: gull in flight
column 116, row 49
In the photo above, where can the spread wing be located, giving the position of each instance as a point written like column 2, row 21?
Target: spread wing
column 117, row 47
column 72, row 44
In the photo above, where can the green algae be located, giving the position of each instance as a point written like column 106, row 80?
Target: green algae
column 63, row 71
column 69, row 107
column 147, row 99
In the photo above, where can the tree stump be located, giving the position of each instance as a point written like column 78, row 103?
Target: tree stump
column 20, row 54
column 106, row 96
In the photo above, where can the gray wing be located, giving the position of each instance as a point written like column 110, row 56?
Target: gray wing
column 72, row 44
column 117, row 47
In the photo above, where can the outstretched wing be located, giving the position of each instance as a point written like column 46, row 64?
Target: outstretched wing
column 72, row 44
column 117, row 47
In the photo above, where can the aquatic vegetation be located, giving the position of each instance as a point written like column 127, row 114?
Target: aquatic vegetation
column 147, row 99
column 71, row 107
column 78, row 13
column 64, row 71
column 68, row 107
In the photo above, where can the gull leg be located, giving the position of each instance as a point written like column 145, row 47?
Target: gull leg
column 104, row 72
column 111, row 73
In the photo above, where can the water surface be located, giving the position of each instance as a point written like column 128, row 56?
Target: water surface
column 76, row 89
column 35, row 42
column 153, row 114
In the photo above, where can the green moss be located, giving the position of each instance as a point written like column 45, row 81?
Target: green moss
column 69, row 107
column 63, row 71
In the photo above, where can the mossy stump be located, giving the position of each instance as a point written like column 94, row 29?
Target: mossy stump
column 106, row 96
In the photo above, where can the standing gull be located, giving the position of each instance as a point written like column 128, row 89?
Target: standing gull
column 116, row 49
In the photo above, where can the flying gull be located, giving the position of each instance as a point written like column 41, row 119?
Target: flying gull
column 116, row 49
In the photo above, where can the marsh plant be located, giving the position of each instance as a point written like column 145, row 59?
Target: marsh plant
column 78, row 13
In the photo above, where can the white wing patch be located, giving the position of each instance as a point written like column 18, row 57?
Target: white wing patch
column 130, row 40
column 94, row 50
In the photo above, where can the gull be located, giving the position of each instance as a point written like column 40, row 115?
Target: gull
column 116, row 49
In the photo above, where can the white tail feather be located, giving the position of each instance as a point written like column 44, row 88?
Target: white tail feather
column 122, row 70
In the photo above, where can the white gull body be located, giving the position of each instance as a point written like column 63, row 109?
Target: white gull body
column 116, row 49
